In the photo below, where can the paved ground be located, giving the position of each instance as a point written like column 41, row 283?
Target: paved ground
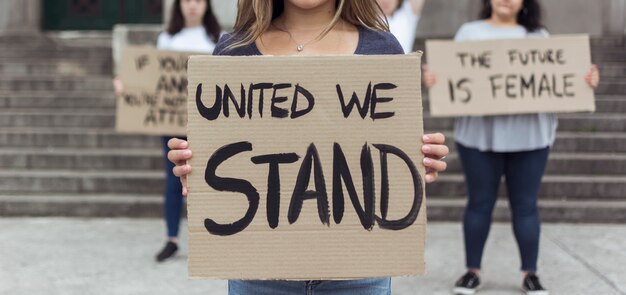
column 115, row 256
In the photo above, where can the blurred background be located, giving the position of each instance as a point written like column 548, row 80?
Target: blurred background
column 60, row 155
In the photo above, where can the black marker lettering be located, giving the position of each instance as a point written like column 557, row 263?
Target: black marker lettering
column 302, row 182
column 273, row 182
column 410, row 218
column 224, row 184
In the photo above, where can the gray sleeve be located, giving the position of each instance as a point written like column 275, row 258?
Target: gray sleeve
column 463, row 34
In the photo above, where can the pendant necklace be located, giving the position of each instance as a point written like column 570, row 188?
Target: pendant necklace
column 299, row 46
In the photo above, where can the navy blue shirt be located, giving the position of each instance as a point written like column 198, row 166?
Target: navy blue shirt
column 371, row 42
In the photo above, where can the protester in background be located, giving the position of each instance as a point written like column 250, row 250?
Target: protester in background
column 403, row 16
column 515, row 146
column 192, row 28
column 311, row 27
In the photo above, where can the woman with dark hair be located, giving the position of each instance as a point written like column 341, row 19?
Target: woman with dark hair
column 515, row 146
column 192, row 28
column 311, row 27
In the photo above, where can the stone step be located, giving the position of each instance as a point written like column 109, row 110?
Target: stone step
column 60, row 83
column 602, row 142
column 559, row 187
column 60, row 99
column 76, row 181
column 81, row 205
column 14, row 181
column 105, row 99
column 445, row 209
column 75, row 138
column 615, row 86
column 612, row 70
column 567, row 122
column 152, row 159
column 57, row 51
column 615, row 104
column 58, row 118
column 566, row 164
column 439, row 209
column 573, row 142
column 82, row 159
column 56, row 67
column 608, row 55
column 607, row 41
column 105, row 118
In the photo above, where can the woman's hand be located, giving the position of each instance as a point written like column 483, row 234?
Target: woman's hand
column 593, row 77
column 429, row 78
column 118, row 86
column 435, row 150
column 179, row 154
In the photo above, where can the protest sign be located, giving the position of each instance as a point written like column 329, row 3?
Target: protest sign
column 532, row 75
column 155, row 91
column 305, row 167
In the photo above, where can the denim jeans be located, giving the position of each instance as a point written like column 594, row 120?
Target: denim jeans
column 523, row 172
column 378, row 286
column 173, row 196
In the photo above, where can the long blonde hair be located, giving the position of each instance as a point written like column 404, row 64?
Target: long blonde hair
column 254, row 17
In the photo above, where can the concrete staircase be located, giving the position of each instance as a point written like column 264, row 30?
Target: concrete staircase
column 59, row 154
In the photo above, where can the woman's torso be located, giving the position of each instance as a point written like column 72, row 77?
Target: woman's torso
column 509, row 133
column 188, row 39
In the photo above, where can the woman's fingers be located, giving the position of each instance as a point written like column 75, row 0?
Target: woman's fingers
column 431, row 177
column 435, row 151
column 435, row 165
column 593, row 77
column 181, row 170
column 428, row 77
column 177, row 143
column 179, row 156
column 434, row 138
column 183, row 181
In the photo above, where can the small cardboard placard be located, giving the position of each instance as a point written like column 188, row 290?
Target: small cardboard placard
column 154, row 100
column 497, row 77
column 305, row 167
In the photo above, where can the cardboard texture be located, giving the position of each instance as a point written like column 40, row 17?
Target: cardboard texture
column 533, row 75
column 229, row 168
column 155, row 91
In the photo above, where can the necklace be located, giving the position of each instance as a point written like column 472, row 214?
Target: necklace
column 299, row 46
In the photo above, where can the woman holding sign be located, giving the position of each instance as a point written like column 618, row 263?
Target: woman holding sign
column 192, row 28
column 516, row 146
column 310, row 27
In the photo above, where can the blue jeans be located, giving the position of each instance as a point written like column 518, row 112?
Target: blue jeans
column 523, row 172
column 378, row 286
column 173, row 195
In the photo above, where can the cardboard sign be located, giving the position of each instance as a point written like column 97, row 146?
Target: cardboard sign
column 305, row 167
column 510, row 76
column 155, row 91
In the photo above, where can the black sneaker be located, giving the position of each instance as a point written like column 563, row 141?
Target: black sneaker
column 532, row 286
column 168, row 251
column 467, row 284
